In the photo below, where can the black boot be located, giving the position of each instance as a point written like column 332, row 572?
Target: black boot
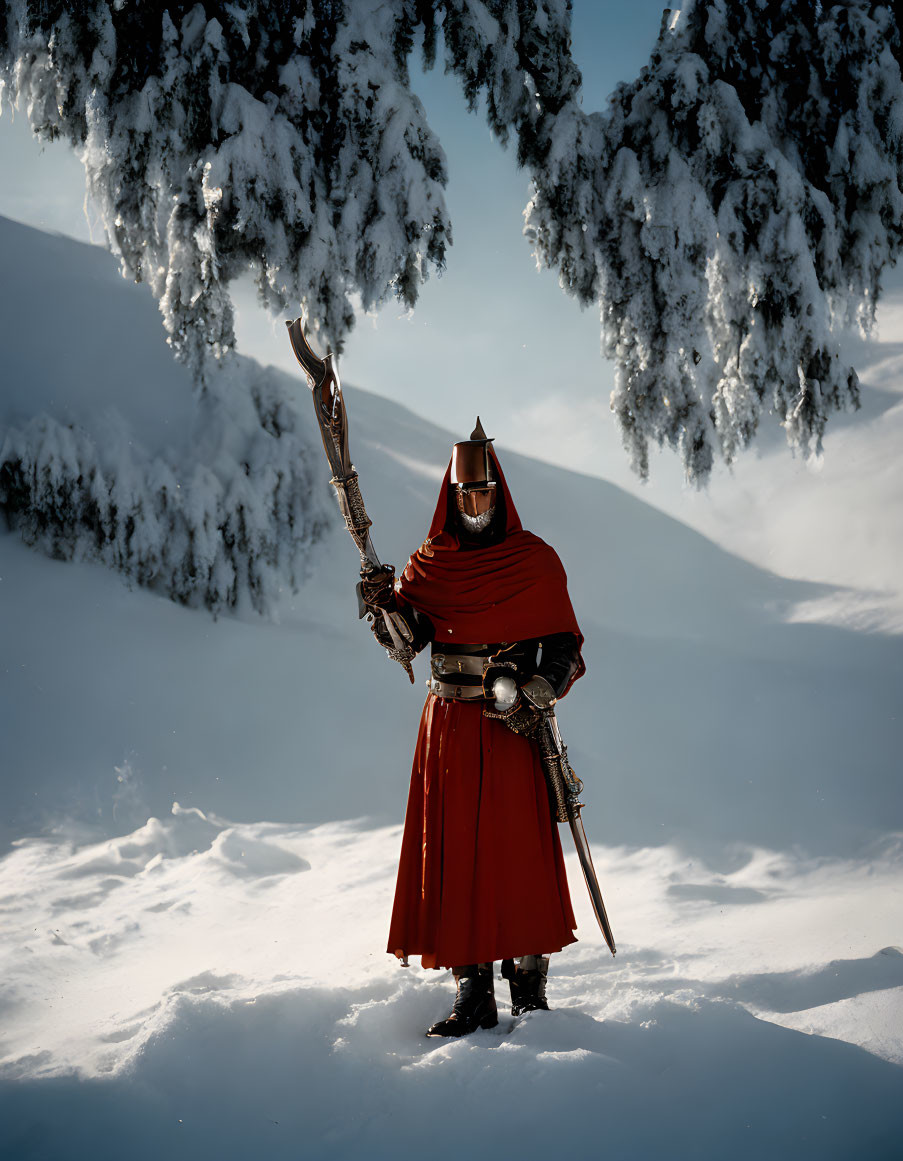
column 528, row 984
column 474, row 1004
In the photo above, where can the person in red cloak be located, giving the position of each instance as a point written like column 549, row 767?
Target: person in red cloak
column 481, row 875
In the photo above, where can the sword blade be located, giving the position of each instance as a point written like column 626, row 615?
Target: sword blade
column 589, row 874
column 559, row 772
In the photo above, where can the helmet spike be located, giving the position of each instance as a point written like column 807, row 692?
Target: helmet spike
column 478, row 432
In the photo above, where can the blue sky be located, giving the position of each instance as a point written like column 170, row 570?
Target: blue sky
column 495, row 335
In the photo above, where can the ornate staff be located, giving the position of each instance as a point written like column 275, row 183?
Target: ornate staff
column 332, row 418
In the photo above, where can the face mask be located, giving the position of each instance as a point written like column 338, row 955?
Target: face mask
column 475, row 507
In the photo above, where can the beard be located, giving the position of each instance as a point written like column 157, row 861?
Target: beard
column 475, row 524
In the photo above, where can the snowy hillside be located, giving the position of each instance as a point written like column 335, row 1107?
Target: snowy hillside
column 702, row 709
column 106, row 455
column 191, row 986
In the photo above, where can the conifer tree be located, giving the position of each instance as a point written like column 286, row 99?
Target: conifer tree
column 734, row 203
column 730, row 207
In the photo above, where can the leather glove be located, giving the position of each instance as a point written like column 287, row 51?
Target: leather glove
column 378, row 588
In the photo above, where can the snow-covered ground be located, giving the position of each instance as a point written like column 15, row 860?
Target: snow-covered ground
column 176, row 985
column 221, row 988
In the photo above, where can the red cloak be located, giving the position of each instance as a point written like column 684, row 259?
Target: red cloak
column 481, row 875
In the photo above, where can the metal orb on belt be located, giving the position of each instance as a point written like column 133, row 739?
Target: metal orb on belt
column 471, row 477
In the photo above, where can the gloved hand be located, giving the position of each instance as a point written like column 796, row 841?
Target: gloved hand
column 378, row 588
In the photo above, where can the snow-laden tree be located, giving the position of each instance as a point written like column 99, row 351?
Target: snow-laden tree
column 733, row 203
column 216, row 137
column 227, row 526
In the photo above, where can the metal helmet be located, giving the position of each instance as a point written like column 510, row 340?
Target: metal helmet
column 470, row 458
column 472, row 480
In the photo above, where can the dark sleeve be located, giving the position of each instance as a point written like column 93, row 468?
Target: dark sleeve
column 559, row 660
column 421, row 627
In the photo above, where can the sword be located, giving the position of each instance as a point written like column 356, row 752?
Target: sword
column 555, row 754
column 564, row 785
column 332, row 419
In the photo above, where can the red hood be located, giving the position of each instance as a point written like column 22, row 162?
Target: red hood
column 513, row 590
column 447, row 537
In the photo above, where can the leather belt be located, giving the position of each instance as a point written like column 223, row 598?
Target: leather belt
column 448, row 665
column 455, row 692
column 454, row 649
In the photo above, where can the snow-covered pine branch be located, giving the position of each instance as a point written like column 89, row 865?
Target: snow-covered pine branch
column 734, row 204
column 278, row 136
column 227, row 526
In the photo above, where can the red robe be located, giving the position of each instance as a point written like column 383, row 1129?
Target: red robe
column 481, row 875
